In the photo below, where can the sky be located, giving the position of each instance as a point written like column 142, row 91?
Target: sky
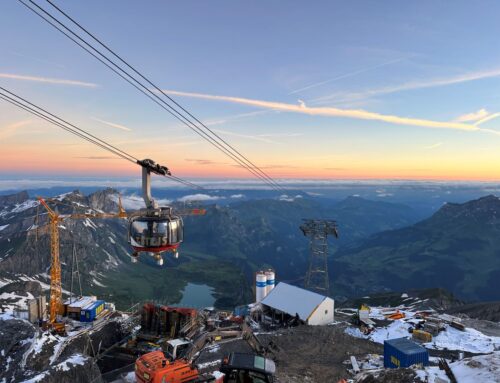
column 310, row 90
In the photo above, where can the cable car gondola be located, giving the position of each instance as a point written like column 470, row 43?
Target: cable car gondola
column 154, row 229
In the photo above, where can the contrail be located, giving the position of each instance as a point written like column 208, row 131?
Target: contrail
column 347, row 75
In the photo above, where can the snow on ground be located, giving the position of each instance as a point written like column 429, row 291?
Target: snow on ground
column 24, row 206
column 112, row 260
column 214, row 348
column 469, row 340
column 482, row 368
column 37, row 378
column 97, row 283
column 217, row 374
column 205, row 365
column 111, row 240
column 12, row 301
column 129, row 378
column 73, row 359
column 5, row 281
column 61, row 197
column 44, row 285
column 3, row 227
column 88, row 223
column 40, row 342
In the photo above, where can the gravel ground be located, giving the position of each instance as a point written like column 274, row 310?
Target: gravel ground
column 316, row 353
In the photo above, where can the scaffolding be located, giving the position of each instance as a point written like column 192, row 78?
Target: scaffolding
column 318, row 230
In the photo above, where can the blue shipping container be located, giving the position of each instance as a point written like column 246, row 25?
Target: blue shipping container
column 402, row 352
column 89, row 313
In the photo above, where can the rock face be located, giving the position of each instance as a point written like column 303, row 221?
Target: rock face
column 28, row 353
column 25, row 240
column 15, row 337
column 23, row 287
column 13, row 199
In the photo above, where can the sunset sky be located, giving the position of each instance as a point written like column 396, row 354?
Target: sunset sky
column 325, row 90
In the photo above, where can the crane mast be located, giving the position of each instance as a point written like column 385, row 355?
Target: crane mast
column 55, row 301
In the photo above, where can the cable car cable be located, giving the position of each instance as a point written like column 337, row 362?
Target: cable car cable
column 161, row 91
column 129, row 156
column 177, row 114
column 253, row 169
column 54, row 122
column 53, row 119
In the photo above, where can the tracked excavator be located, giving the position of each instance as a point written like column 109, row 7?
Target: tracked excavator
column 179, row 364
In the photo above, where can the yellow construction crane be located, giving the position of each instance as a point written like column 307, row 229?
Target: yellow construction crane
column 55, row 300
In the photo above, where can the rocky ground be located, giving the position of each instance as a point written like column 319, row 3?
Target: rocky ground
column 315, row 353
column 489, row 311
column 29, row 355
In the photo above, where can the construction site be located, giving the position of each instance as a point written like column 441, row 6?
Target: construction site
column 283, row 330
column 288, row 333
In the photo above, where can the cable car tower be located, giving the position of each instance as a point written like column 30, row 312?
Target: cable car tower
column 318, row 231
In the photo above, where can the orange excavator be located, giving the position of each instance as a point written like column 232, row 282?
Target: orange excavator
column 235, row 368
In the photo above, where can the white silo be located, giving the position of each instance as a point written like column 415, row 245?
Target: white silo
column 260, row 285
column 270, row 276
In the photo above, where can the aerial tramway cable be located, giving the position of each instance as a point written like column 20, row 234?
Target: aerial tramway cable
column 29, row 107
column 211, row 137
column 163, row 93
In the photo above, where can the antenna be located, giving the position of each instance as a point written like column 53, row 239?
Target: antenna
column 317, row 230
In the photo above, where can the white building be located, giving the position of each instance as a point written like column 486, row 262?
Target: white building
column 310, row 307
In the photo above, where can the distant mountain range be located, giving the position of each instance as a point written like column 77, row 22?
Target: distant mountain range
column 222, row 249
column 457, row 248
column 381, row 247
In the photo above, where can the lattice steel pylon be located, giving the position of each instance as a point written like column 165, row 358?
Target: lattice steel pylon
column 318, row 230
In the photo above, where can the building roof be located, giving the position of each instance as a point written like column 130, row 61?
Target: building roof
column 293, row 300
column 93, row 305
column 80, row 302
column 405, row 345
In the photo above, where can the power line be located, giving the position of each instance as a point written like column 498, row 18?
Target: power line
column 36, row 110
column 218, row 142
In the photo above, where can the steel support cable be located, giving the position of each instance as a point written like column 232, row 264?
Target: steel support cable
column 234, row 150
column 171, row 110
column 179, row 116
column 74, row 127
column 59, row 124
column 32, row 108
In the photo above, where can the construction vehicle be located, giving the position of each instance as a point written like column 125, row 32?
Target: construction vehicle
column 178, row 364
column 186, row 348
column 235, row 368
column 242, row 368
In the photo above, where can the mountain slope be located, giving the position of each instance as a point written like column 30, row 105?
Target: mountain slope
column 458, row 249
column 221, row 249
